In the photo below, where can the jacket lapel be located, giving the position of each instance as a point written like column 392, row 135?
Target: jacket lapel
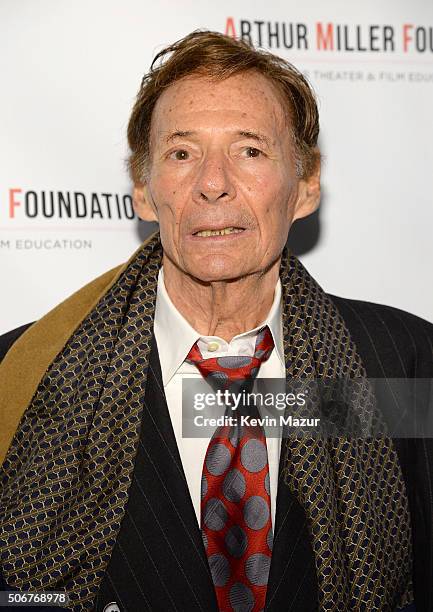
column 292, row 581
column 159, row 561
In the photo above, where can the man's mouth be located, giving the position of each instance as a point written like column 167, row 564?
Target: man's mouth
column 220, row 232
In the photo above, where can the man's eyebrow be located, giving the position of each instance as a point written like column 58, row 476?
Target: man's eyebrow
column 179, row 134
column 258, row 137
column 261, row 138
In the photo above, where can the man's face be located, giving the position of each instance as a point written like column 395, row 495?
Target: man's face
column 222, row 159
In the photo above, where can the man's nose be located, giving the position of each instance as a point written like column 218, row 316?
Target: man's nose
column 213, row 180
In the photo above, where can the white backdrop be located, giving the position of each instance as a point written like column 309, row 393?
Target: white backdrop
column 69, row 72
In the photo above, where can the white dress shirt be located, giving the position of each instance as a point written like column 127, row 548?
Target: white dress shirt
column 175, row 337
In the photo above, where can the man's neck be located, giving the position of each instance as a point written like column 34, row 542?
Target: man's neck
column 224, row 308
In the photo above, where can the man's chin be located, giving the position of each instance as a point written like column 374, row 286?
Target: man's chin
column 217, row 271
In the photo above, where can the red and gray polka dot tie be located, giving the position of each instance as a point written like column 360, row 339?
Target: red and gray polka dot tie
column 235, row 498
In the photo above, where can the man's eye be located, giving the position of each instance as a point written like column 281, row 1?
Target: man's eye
column 180, row 154
column 253, row 152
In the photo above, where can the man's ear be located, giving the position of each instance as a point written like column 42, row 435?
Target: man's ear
column 143, row 204
column 308, row 193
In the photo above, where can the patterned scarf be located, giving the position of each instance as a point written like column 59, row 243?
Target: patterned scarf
column 66, row 476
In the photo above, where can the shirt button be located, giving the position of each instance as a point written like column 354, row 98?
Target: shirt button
column 213, row 346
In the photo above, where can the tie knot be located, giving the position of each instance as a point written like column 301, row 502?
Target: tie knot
column 236, row 370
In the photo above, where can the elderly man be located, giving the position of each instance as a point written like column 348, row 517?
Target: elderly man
column 102, row 497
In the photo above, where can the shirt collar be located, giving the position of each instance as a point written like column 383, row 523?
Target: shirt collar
column 175, row 346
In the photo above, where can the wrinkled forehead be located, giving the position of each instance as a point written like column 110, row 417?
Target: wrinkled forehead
column 246, row 101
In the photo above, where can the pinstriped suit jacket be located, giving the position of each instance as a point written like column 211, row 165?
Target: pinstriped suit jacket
column 159, row 562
